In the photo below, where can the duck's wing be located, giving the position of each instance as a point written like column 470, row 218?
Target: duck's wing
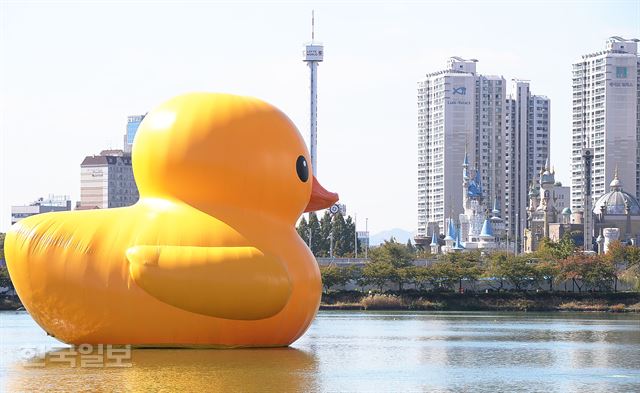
column 226, row 282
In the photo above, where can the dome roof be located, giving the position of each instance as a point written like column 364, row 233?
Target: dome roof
column 615, row 203
column 566, row 210
column 616, row 200
column 547, row 175
column 547, row 178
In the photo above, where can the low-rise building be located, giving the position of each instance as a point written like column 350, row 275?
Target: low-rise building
column 53, row 203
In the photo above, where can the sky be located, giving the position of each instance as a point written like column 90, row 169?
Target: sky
column 71, row 72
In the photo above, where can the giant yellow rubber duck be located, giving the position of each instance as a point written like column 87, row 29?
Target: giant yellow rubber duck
column 209, row 255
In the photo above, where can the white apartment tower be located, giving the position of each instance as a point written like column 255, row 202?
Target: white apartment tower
column 526, row 151
column 606, row 118
column 458, row 111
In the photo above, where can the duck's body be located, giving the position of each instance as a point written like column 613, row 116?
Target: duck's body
column 85, row 292
column 166, row 273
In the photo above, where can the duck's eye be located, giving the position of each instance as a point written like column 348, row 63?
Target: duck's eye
column 302, row 168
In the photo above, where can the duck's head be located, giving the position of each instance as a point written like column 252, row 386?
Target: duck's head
column 220, row 150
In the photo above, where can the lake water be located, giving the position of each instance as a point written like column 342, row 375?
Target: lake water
column 363, row 351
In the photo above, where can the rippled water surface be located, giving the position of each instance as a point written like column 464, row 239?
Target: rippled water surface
column 363, row 351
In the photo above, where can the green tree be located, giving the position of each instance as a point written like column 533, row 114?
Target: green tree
column 410, row 247
column 397, row 256
column 333, row 275
column 494, row 268
column 314, row 228
column 421, row 276
column 356, row 275
column 547, row 271
column 443, row 275
column 470, row 270
column 598, row 273
column 2, row 236
column 404, row 275
column 592, row 271
column 309, row 231
column 5, row 280
column 338, row 230
column 556, row 250
column 303, row 230
column 617, row 256
column 464, row 266
column 325, row 232
column 349, row 237
column 516, row 270
column 392, row 252
column 619, row 253
column 570, row 269
column 378, row 274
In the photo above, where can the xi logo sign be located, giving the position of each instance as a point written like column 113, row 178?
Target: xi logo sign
column 460, row 90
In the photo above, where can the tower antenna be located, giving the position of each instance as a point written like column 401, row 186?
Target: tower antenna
column 313, row 54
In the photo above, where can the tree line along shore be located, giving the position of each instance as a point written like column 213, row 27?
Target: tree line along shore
column 555, row 278
column 558, row 277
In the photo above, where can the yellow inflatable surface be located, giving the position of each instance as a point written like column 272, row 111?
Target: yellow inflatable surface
column 209, row 255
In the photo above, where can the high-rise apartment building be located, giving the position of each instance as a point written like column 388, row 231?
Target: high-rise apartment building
column 606, row 119
column 507, row 140
column 526, row 150
column 458, row 111
column 106, row 181
column 133, row 122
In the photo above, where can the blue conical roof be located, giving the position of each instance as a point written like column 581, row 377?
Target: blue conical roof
column 458, row 244
column 487, row 230
column 434, row 239
column 451, row 232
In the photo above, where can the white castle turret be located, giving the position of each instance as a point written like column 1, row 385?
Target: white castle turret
column 547, row 200
column 609, row 234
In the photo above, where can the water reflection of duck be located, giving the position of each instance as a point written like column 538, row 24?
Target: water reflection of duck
column 208, row 256
column 173, row 370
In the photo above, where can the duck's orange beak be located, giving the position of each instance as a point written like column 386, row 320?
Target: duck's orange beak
column 320, row 198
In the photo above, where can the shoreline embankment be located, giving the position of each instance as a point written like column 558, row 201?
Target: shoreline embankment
column 492, row 301
column 449, row 301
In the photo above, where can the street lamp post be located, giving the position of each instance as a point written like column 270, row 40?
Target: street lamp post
column 516, row 249
column 355, row 234
column 366, row 230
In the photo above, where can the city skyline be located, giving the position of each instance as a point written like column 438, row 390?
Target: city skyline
column 66, row 95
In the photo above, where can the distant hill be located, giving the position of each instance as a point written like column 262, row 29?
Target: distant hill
column 400, row 235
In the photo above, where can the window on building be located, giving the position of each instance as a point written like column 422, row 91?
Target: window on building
column 621, row 72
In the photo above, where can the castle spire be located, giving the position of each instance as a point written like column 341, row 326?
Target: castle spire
column 616, row 184
column 496, row 207
column 465, row 165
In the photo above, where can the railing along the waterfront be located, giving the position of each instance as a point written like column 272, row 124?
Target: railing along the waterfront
column 323, row 261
